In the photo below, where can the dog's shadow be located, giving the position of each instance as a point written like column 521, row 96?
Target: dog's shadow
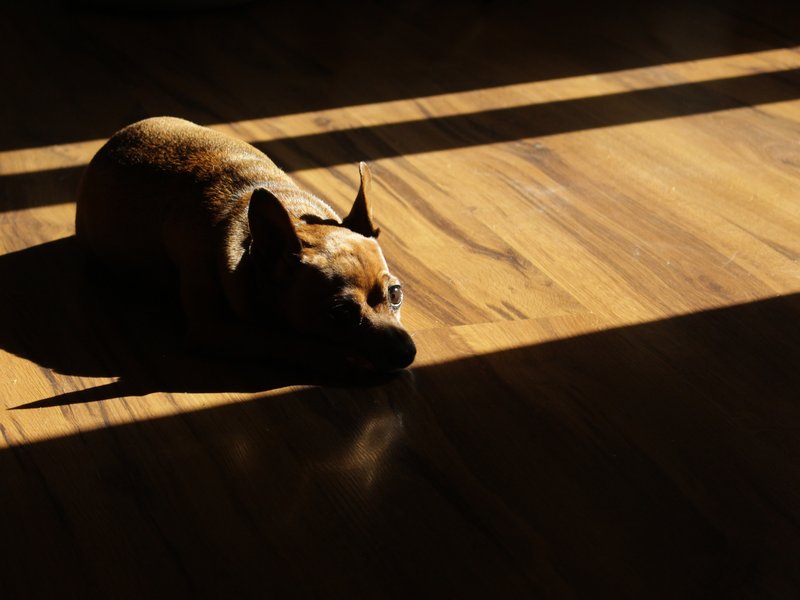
column 71, row 319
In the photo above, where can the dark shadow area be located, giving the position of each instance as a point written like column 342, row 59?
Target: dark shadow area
column 73, row 72
column 444, row 133
column 68, row 318
column 39, row 188
column 657, row 460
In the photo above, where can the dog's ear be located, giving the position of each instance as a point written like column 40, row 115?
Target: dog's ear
column 360, row 217
column 271, row 230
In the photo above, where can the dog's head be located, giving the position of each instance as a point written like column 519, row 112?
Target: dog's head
column 330, row 280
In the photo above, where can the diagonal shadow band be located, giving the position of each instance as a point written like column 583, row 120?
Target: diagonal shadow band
column 531, row 121
column 465, row 130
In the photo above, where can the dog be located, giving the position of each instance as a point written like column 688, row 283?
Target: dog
column 265, row 269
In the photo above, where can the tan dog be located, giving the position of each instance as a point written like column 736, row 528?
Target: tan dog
column 266, row 269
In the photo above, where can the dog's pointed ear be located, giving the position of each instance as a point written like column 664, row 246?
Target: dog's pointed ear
column 271, row 230
column 360, row 217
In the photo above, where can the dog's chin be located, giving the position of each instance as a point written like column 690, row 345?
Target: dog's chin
column 358, row 362
column 361, row 365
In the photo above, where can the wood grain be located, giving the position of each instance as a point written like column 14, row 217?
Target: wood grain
column 594, row 210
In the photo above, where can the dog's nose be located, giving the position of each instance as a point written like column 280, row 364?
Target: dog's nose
column 407, row 352
column 398, row 351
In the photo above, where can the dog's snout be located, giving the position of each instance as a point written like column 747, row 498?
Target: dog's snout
column 407, row 352
column 397, row 350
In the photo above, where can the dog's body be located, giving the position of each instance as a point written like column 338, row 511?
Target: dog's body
column 265, row 268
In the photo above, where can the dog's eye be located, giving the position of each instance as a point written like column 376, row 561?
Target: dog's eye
column 395, row 296
column 346, row 314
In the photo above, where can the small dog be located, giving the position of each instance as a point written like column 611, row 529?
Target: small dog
column 265, row 268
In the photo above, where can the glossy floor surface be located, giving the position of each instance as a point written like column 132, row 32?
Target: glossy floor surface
column 595, row 211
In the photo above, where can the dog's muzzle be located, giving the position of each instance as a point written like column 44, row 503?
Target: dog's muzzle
column 392, row 348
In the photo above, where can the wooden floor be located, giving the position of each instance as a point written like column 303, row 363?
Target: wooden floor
column 596, row 214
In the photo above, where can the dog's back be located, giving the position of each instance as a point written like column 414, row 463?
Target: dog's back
column 163, row 187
